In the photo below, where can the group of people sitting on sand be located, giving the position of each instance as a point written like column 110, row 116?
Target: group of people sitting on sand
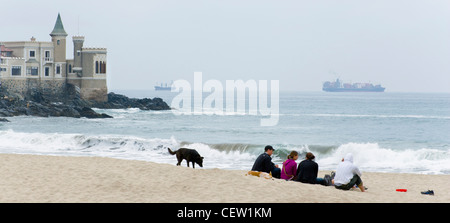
column 347, row 174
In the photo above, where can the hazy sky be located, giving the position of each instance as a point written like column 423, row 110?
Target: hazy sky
column 402, row 44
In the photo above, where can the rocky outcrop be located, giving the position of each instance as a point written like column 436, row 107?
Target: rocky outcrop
column 11, row 107
column 117, row 101
column 89, row 113
column 36, row 104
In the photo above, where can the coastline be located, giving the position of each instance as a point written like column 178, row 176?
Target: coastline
column 61, row 179
column 36, row 104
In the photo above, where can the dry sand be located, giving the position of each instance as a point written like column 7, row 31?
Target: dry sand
column 33, row 178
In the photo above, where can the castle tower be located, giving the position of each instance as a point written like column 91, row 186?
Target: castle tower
column 59, row 43
column 77, row 54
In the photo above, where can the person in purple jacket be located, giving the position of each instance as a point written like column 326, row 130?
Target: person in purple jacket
column 290, row 166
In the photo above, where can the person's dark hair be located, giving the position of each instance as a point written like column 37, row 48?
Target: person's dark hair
column 267, row 148
column 310, row 156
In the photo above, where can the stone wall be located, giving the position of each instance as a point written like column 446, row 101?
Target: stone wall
column 91, row 89
column 54, row 89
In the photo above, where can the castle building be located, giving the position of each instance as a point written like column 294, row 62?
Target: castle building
column 27, row 65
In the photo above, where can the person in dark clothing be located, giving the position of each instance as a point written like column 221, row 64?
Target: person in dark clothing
column 307, row 171
column 264, row 163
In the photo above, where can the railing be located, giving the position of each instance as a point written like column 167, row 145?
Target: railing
column 48, row 59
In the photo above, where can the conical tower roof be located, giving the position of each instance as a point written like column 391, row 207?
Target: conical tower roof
column 58, row 30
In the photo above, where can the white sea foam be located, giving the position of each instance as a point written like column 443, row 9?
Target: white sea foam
column 373, row 116
column 117, row 146
column 368, row 156
column 372, row 157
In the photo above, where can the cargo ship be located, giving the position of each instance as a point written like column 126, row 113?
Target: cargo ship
column 164, row 87
column 338, row 86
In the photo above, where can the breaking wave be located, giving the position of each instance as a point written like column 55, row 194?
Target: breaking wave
column 368, row 156
column 372, row 157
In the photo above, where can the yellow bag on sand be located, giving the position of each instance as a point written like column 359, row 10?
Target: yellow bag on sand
column 260, row 174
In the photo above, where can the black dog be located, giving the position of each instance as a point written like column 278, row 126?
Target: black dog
column 190, row 155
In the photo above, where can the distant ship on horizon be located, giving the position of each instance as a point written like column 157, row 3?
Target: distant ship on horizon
column 164, row 87
column 339, row 86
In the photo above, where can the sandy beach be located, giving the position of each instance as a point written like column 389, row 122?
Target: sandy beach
column 36, row 178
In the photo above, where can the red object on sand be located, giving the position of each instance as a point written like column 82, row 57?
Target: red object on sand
column 401, row 190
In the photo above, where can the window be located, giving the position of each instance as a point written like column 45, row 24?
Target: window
column 70, row 68
column 47, row 56
column 103, row 67
column 100, row 67
column 16, row 70
column 47, row 71
column 58, row 69
column 32, row 71
column 58, row 42
column 32, row 53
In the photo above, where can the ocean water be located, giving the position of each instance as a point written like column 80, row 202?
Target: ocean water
column 386, row 132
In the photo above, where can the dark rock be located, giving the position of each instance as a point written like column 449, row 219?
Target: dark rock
column 5, row 113
column 70, row 112
column 36, row 109
column 89, row 113
column 118, row 101
column 4, row 120
column 36, row 103
column 35, row 95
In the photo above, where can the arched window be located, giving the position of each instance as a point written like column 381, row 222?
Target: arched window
column 103, row 67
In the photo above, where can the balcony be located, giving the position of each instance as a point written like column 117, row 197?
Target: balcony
column 48, row 59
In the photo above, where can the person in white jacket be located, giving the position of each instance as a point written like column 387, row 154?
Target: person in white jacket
column 348, row 175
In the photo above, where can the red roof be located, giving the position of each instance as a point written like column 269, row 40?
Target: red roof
column 4, row 49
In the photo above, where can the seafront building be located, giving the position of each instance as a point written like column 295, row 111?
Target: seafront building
column 35, row 65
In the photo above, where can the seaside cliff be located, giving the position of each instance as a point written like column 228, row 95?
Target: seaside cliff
column 35, row 103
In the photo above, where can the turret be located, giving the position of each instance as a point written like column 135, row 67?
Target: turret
column 59, row 41
column 77, row 55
